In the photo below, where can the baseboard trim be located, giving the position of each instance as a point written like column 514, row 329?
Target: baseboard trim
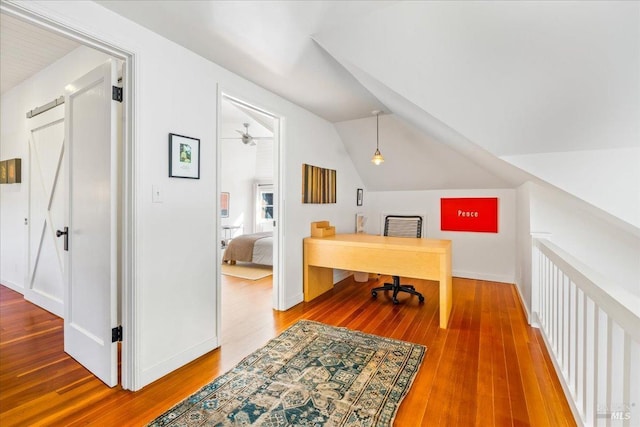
column 484, row 276
column 293, row 301
column 13, row 286
column 340, row 275
column 524, row 307
column 147, row 376
column 563, row 382
column 41, row 299
column 45, row 301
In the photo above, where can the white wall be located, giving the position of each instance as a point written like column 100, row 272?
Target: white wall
column 607, row 245
column 486, row 256
column 315, row 145
column 14, row 142
column 175, row 267
column 608, row 179
column 238, row 176
column 523, row 245
column 611, row 250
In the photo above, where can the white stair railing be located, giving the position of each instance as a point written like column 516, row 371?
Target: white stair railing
column 592, row 331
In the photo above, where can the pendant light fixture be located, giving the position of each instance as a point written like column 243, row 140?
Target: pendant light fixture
column 377, row 157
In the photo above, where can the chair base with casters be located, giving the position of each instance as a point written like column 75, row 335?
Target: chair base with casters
column 396, row 287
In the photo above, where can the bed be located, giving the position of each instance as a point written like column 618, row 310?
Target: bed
column 256, row 248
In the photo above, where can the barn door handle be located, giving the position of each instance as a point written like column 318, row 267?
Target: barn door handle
column 64, row 233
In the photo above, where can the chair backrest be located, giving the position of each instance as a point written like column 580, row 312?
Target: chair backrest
column 403, row 226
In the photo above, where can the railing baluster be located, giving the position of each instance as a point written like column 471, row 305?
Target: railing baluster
column 594, row 371
column 554, row 307
column 610, row 378
column 541, row 302
column 573, row 338
column 585, row 352
column 558, row 286
column 632, row 388
column 626, row 377
column 603, row 399
column 545, row 300
column 561, row 322
column 546, row 294
column 582, row 351
column 569, row 332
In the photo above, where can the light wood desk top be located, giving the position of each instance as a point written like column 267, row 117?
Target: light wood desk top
column 428, row 259
column 372, row 240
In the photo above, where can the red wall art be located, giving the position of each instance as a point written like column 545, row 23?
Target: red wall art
column 478, row 214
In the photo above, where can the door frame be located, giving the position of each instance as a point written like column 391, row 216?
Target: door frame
column 278, row 147
column 45, row 17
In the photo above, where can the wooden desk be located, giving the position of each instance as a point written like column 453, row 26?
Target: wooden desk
column 397, row 256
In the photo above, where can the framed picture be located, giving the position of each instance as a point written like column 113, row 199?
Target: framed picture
column 318, row 184
column 224, row 205
column 3, row 172
column 359, row 196
column 479, row 214
column 184, row 157
column 14, row 171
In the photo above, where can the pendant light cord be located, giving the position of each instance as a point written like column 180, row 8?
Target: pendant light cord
column 377, row 132
column 377, row 156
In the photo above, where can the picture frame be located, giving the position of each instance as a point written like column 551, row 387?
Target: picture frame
column 318, row 184
column 224, row 205
column 14, row 171
column 3, row 172
column 469, row 214
column 184, row 156
column 359, row 196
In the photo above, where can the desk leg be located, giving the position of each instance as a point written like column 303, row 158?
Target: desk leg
column 446, row 290
column 317, row 280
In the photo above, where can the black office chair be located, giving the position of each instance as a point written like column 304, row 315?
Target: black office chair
column 400, row 226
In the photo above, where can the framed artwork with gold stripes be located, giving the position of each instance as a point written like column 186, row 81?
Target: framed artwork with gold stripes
column 318, row 184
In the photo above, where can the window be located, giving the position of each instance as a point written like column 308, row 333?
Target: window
column 264, row 207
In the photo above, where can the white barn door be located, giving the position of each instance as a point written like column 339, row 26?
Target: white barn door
column 47, row 198
column 91, row 279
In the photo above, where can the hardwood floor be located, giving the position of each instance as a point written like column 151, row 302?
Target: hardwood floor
column 488, row 368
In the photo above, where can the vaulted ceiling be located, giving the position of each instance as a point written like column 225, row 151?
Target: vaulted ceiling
column 267, row 42
column 461, row 84
column 513, row 77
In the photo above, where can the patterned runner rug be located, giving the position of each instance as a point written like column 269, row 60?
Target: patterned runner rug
column 311, row 375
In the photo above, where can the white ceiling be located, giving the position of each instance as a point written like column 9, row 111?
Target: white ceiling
column 413, row 159
column 267, row 42
column 483, row 79
column 512, row 77
column 26, row 49
column 233, row 116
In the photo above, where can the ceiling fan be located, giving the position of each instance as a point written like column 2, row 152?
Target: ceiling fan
column 247, row 139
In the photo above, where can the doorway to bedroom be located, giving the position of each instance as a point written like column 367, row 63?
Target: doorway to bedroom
column 248, row 228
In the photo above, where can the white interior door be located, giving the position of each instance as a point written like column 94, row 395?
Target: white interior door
column 91, row 269
column 47, row 198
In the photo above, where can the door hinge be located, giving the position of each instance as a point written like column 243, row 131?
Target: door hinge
column 116, row 93
column 116, row 334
